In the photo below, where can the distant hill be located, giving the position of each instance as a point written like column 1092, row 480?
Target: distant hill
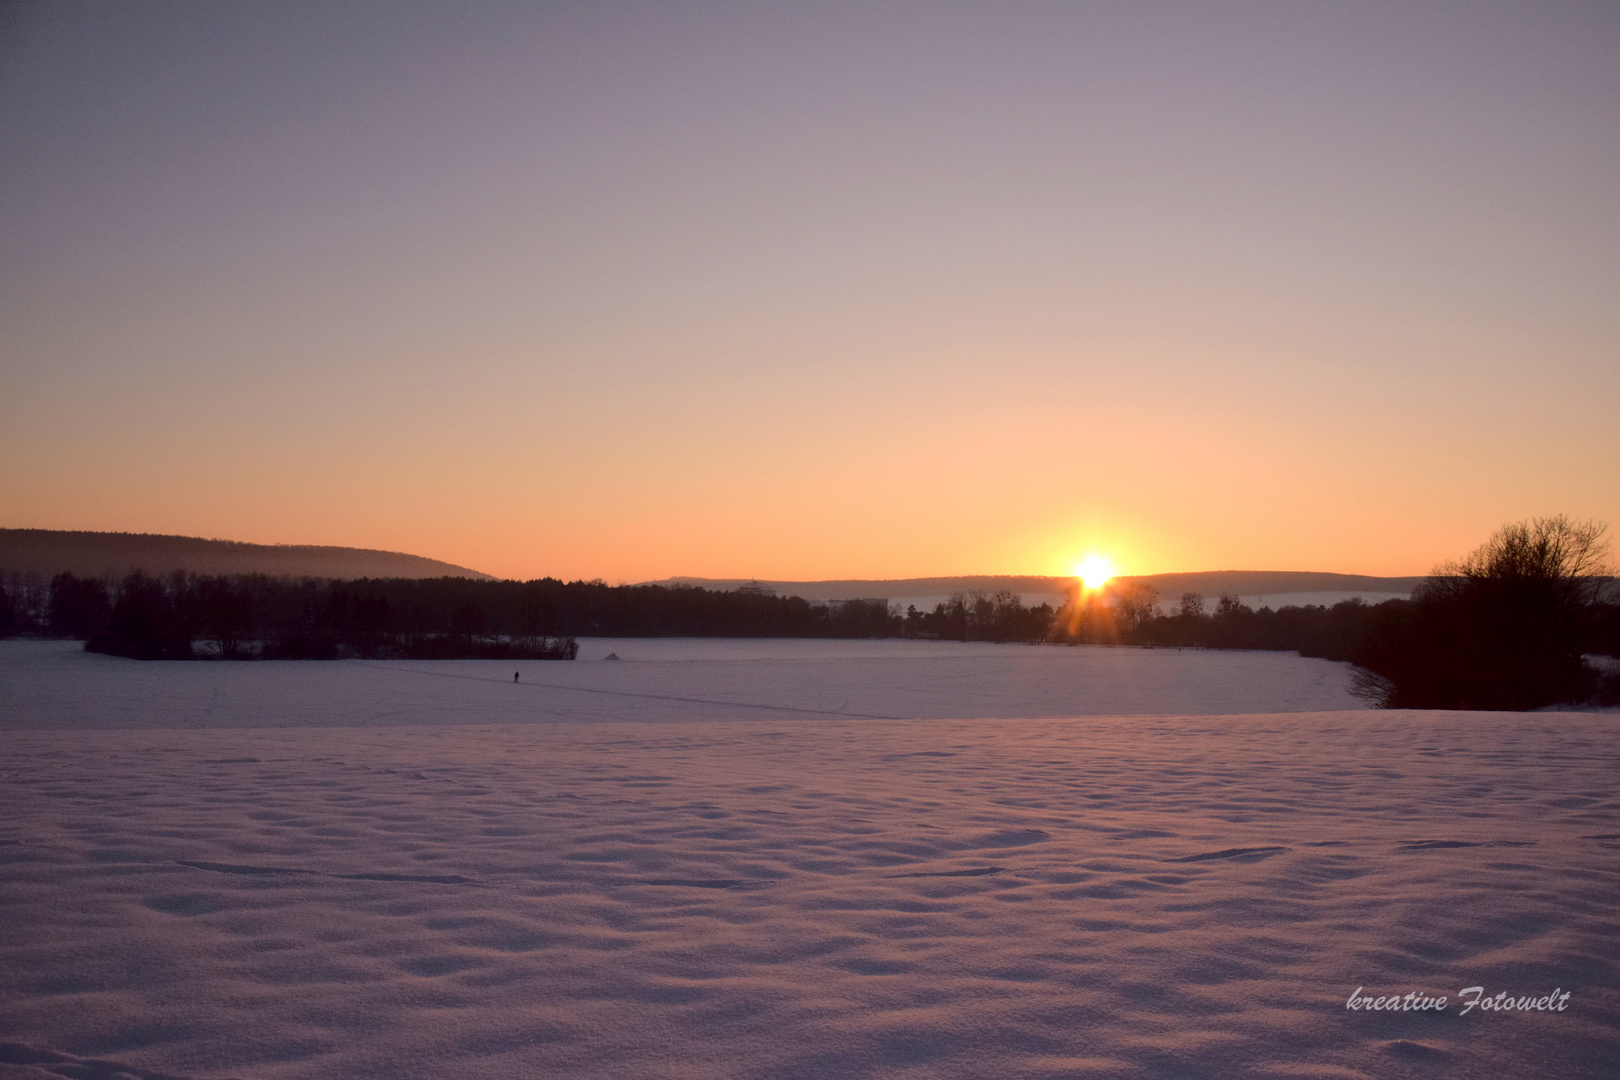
column 894, row 588
column 1213, row 583
column 94, row 554
column 1209, row 583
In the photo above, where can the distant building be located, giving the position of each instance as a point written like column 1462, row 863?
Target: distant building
column 754, row 588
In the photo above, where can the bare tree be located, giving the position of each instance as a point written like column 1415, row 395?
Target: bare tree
column 1569, row 557
column 1502, row 628
column 1134, row 605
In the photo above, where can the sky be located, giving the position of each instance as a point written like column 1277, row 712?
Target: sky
column 628, row 291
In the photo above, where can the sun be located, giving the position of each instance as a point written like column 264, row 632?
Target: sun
column 1094, row 571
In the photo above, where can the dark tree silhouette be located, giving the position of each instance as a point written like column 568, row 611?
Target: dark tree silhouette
column 1502, row 629
column 226, row 614
column 1134, row 606
column 79, row 607
column 145, row 624
column 28, row 597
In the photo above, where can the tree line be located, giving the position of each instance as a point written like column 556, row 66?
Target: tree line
column 1504, row 628
column 254, row 616
column 977, row 616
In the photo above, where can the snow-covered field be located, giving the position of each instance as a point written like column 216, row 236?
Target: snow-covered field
column 722, row 860
column 55, row 684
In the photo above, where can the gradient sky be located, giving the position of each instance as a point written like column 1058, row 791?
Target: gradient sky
column 812, row 291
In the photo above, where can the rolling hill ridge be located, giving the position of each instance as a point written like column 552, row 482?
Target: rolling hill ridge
column 97, row 554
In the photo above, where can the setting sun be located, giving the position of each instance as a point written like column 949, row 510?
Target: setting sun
column 1094, row 571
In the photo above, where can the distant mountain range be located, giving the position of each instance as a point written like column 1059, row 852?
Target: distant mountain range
column 1213, row 583
column 1208, row 583
column 94, row 554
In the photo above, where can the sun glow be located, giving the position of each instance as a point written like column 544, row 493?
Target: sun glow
column 1094, row 571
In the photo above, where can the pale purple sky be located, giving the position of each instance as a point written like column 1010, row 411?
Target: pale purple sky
column 816, row 290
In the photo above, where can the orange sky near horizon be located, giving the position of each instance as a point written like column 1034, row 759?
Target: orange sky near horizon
column 729, row 488
column 601, row 292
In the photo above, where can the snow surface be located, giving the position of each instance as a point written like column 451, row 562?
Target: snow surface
column 489, row 880
column 56, row 684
